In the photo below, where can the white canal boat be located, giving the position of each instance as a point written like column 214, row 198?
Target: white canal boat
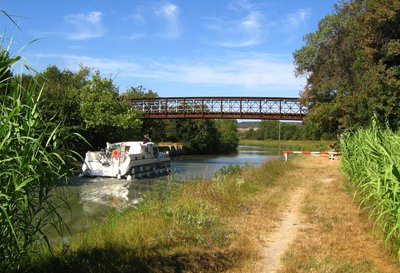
column 127, row 160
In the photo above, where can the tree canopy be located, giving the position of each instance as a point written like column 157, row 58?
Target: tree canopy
column 88, row 104
column 352, row 65
column 92, row 105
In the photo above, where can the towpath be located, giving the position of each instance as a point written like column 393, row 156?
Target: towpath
column 320, row 228
column 323, row 230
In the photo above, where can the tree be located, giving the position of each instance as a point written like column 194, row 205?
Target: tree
column 155, row 128
column 197, row 135
column 105, row 114
column 139, row 92
column 61, row 94
column 352, row 66
column 227, row 135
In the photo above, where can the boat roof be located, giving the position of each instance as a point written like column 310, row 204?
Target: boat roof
column 131, row 143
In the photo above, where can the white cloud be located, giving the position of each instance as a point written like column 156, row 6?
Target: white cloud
column 170, row 13
column 252, row 70
column 162, row 21
column 85, row 26
column 243, row 32
column 296, row 19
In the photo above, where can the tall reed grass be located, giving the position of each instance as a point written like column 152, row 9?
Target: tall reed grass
column 371, row 158
column 32, row 167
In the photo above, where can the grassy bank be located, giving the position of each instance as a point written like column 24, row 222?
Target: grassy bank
column 279, row 145
column 189, row 227
column 224, row 225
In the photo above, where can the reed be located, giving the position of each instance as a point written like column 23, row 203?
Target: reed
column 372, row 161
column 32, row 167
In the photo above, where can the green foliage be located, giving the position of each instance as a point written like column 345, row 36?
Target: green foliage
column 61, row 94
column 138, row 92
column 227, row 135
column 274, row 130
column 203, row 135
column 372, row 161
column 105, row 112
column 197, row 135
column 228, row 170
column 33, row 163
column 5, row 74
column 277, row 146
column 91, row 105
column 192, row 220
column 152, row 127
column 87, row 103
column 351, row 63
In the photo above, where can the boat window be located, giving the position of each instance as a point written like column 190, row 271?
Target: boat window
column 115, row 146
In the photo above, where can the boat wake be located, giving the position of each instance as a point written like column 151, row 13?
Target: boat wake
column 108, row 193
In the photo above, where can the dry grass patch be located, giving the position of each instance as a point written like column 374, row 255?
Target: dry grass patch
column 338, row 237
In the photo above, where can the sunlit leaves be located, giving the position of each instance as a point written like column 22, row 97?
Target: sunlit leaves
column 352, row 61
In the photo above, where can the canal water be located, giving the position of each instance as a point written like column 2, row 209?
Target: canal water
column 91, row 198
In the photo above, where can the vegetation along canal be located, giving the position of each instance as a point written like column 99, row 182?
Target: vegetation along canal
column 91, row 198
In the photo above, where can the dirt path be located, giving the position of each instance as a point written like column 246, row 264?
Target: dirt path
column 322, row 229
column 279, row 240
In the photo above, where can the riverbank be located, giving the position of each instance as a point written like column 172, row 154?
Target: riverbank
column 175, row 149
column 172, row 148
column 181, row 227
column 279, row 145
column 235, row 224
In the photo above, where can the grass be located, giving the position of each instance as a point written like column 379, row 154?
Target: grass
column 223, row 225
column 280, row 145
column 194, row 227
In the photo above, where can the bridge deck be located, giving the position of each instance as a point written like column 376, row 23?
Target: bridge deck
column 272, row 108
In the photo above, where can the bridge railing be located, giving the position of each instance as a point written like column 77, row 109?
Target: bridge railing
column 221, row 107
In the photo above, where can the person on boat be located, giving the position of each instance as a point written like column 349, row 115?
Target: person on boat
column 146, row 139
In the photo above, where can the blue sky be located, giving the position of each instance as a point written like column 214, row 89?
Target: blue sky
column 175, row 48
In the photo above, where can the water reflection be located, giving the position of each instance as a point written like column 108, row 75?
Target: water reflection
column 192, row 166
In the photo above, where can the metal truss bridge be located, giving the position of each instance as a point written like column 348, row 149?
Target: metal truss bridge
column 271, row 108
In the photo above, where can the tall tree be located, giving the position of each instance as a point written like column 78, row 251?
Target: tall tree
column 61, row 94
column 155, row 128
column 105, row 113
column 227, row 131
column 351, row 63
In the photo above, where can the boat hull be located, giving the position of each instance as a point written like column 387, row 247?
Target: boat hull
column 127, row 161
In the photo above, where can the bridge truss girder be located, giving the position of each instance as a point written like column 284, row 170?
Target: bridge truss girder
column 272, row 108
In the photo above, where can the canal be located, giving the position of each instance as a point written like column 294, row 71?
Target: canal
column 91, row 198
